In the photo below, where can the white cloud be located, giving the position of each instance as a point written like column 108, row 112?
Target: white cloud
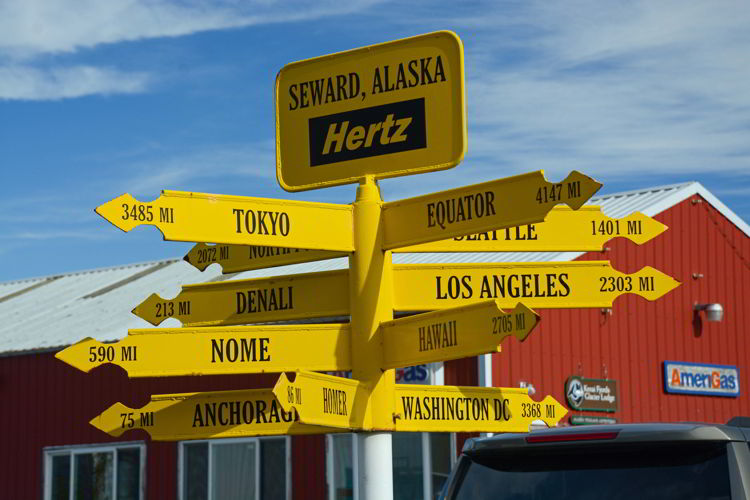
column 29, row 27
column 610, row 88
column 28, row 83
column 225, row 161
column 33, row 28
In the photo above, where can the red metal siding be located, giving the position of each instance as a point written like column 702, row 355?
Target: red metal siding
column 461, row 372
column 47, row 403
column 630, row 344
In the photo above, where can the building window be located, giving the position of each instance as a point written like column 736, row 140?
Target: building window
column 95, row 472
column 421, row 464
column 234, row 469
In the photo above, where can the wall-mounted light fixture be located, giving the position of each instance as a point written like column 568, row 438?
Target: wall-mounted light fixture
column 713, row 312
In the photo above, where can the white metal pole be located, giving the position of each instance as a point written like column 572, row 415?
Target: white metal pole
column 377, row 461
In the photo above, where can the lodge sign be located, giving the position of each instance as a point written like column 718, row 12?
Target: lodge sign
column 591, row 394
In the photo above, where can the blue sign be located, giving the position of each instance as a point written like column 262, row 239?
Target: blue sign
column 701, row 379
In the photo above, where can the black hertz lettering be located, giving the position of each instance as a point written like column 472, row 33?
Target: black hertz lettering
column 357, row 137
column 453, row 408
column 437, row 336
column 460, row 209
column 367, row 132
column 255, row 411
column 265, row 299
column 246, row 350
column 262, row 222
column 424, row 71
column 323, row 91
column 334, row 401
column 525, row 285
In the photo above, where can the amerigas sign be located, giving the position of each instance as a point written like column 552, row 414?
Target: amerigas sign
column 702, row 379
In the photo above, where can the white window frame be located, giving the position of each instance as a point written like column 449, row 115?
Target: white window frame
column 81, row 449
column 257, row 440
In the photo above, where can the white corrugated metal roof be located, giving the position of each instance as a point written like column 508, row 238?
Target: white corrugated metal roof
column 51, row 312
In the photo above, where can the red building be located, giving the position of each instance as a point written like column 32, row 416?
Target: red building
column 619, row 357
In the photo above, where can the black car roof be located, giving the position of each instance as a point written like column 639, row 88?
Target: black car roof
column 613, row 433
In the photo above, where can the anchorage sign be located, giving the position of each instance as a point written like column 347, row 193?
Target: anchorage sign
column 338, row 117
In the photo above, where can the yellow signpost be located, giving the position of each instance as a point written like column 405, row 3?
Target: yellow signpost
column 382, row 111
column 436, row 408
column 218, row 350
column 563, row 230
column 391, row 109
column 215, row 218
column 324, row 400
column 422, row 287
column 173, row 417
column 513, row 201
column 258, row 300
column 237, row 258
column 453, row 333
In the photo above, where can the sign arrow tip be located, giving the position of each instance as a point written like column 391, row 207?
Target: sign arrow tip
column 76, row 355
column 112, row 211
column 109, row 420
column 531, row 320
column 588, row 188
column 191, row 257
column 280, row 390
column 145, row 309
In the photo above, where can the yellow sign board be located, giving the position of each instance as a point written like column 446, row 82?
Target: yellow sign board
column 215, row 218
column 436, row 408
column 386, row 110
column 218, row 350
column 258, row 300
column 538, row 284
column 453, row 333
column 173, row 417
column 237, row 258
column 563, row 230
column 513, row 201
column 324, row 400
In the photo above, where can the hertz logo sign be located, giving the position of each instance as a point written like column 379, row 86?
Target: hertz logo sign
column 375, row 131
column 387, row 110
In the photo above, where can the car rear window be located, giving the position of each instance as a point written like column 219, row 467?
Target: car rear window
column 688, row 470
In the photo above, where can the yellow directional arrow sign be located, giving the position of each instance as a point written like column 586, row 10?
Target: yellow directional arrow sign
column 539, row 285
column 513, row 201
column 218, row 350
column 172, row 417
column 324, row 399
column 237, row 258
column 312, row 295
column 453, row 333
column 435, row 408
column 563, row 230
column 184, row 216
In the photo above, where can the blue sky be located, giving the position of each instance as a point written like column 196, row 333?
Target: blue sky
column 99, row 98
